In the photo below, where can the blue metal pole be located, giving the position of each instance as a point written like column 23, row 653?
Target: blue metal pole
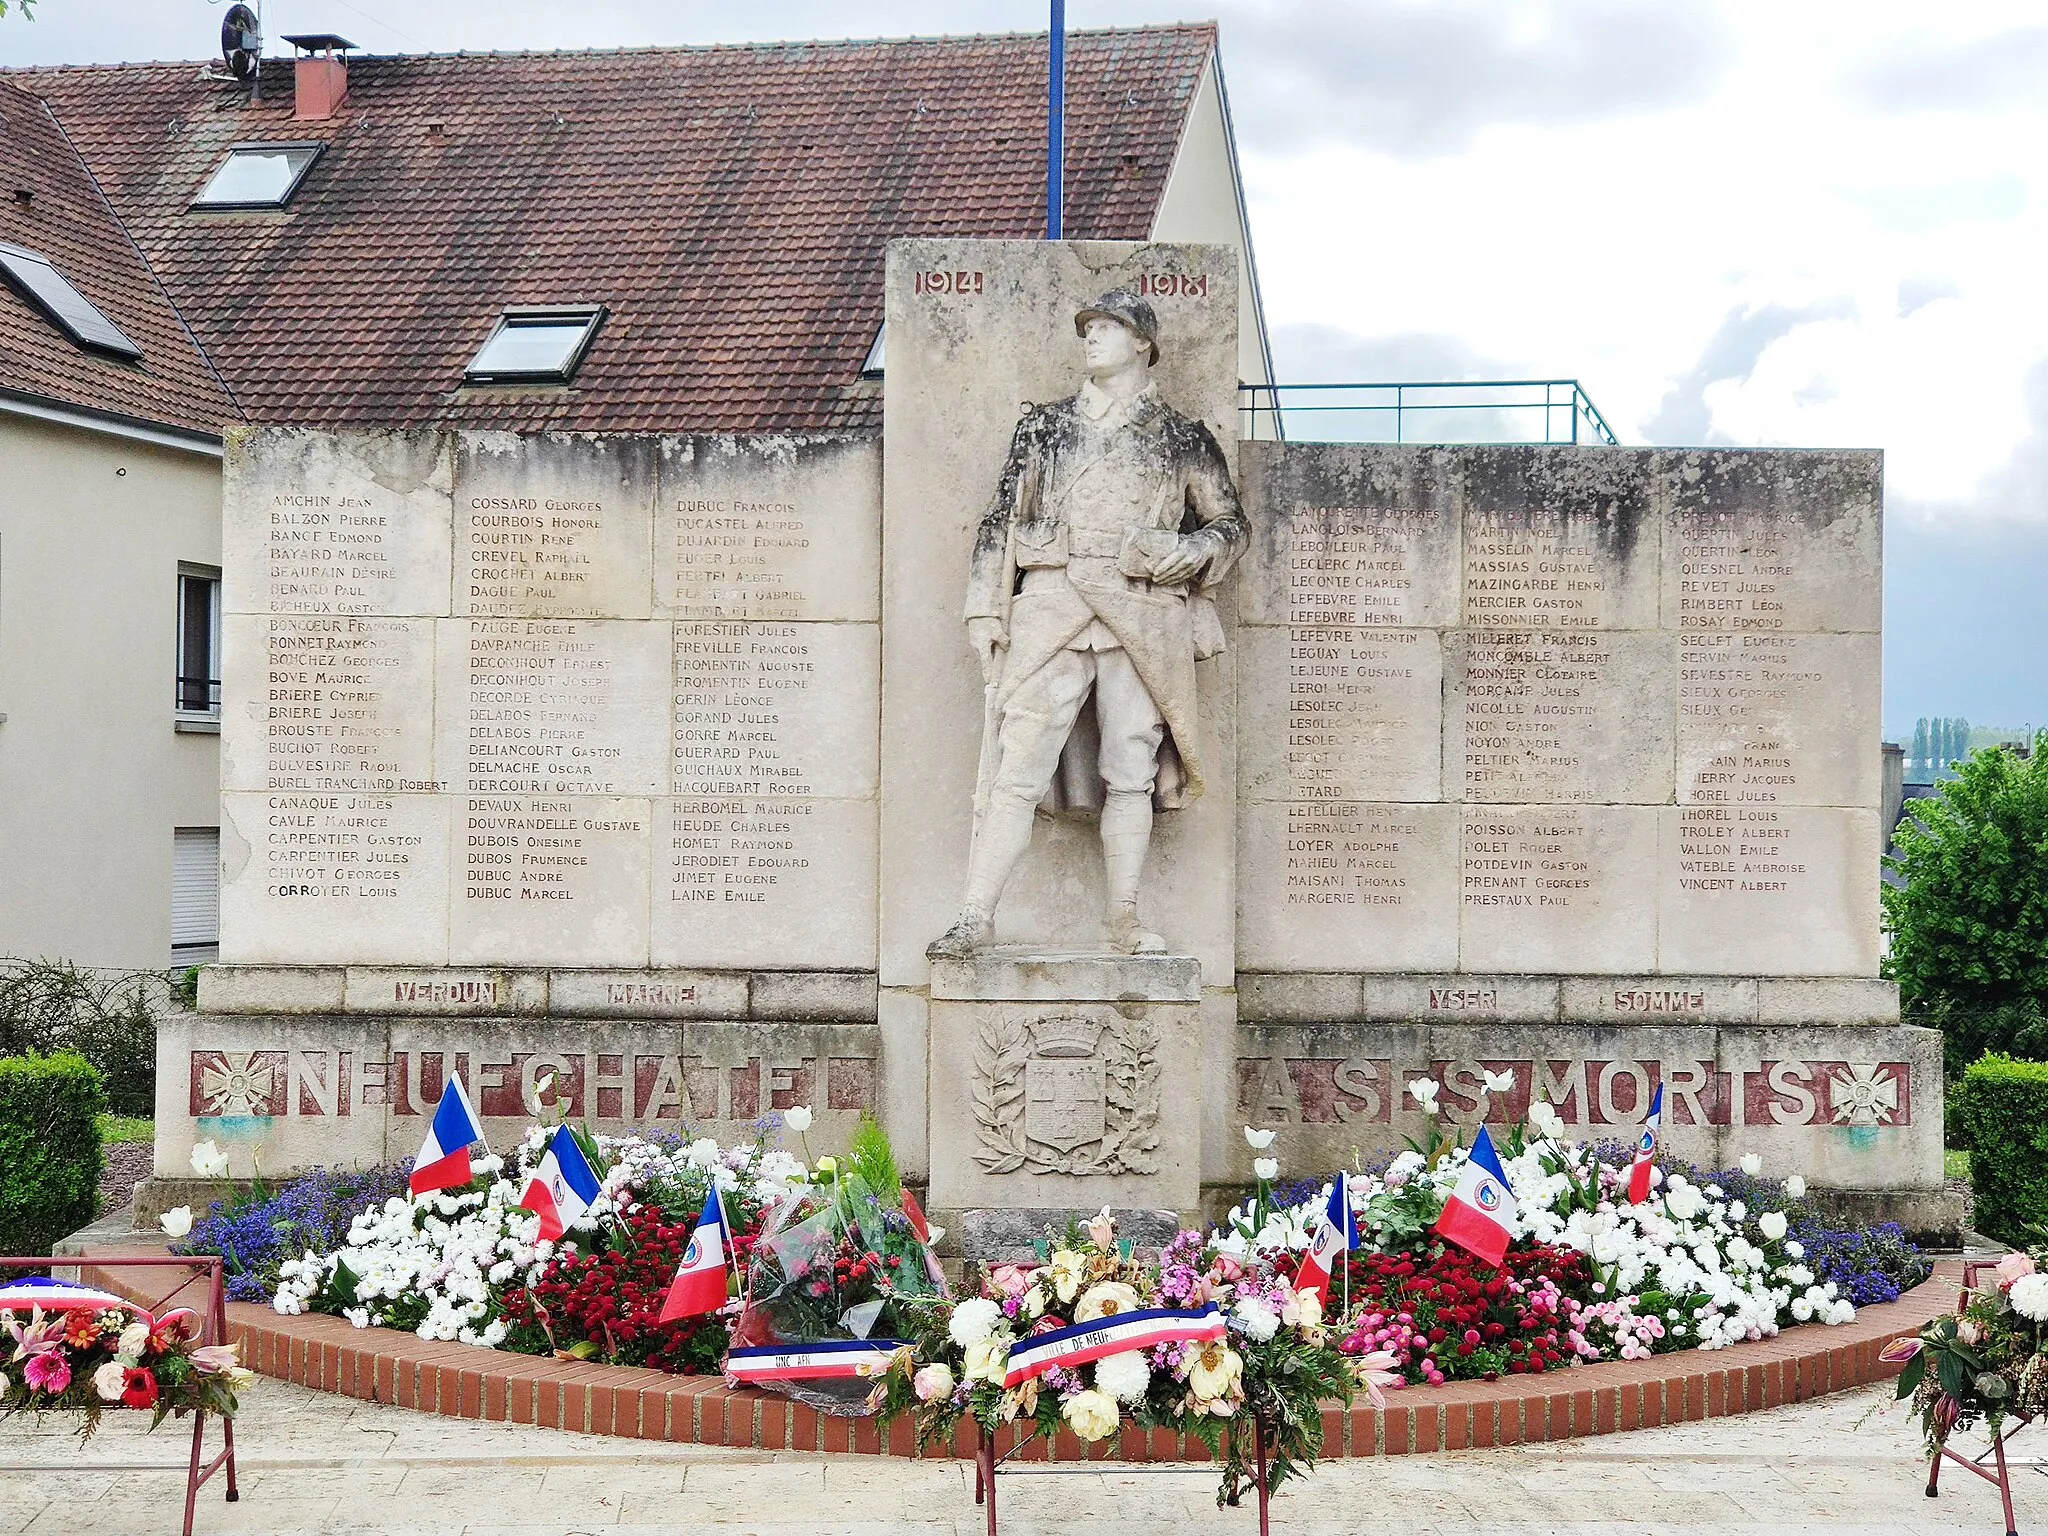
column 1056, row 125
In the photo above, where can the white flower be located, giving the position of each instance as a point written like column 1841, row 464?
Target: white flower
column 1795, row 1187
column 1424, row 1091
column 1091, row 1415
column 1771, row 1224
column 1267, row 1168
column 1105, row 1298
column 988, row 1359
column 1255, row 1319
column 1751, row 1163
column 177, row 1221
column 797, row 1118
column 702, row 1153
column 1069, row 1273
column 1124, row 1377
column 134, row 1339
column 973, row 1320
column 209, row 1162
column 933, row 1381
column 1498, row 1082
column 1546, row 1121
column 1258, row 1141
column 2029, row 1297
column 1802, row 1309
column 109, row 1381
column 1683, row 1201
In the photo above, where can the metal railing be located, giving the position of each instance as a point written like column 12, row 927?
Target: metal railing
column 1553, row 411
column 198, row 695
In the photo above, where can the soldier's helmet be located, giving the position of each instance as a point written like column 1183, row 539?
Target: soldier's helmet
column 1129, row 311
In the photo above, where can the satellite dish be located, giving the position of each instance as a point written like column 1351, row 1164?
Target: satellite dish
column 241, row 41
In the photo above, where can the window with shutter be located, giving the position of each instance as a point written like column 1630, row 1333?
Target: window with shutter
column 195, row 895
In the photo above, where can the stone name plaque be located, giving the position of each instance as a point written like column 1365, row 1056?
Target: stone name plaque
column 560, row 699
column 1533, row 709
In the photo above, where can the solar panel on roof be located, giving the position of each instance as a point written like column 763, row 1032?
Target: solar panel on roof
column 68, row 309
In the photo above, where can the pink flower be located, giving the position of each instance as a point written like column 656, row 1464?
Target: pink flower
column 47, row 1372
column 37, row 1336
column 2014, row 1266
column 1377, row 1370
column 1899, row 1351
column 212, row 1359
column 1011, row 1279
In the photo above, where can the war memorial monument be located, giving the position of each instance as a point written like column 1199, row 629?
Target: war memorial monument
column 1061, row 777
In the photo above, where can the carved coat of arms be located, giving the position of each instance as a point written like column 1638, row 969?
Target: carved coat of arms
column 1067, row 1094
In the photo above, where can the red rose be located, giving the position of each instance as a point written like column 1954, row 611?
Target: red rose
column 139, row 1388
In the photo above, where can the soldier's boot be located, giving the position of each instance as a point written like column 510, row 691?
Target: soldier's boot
column 970, row 932
column 999, row 842
column 1126, row 835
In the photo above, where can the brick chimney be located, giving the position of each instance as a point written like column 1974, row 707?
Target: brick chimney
column 319, row 75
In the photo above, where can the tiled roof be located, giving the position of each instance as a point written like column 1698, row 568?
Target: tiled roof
column 63, row 219
column 728, row 205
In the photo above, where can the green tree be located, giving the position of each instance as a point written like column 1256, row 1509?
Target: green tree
column 1969, row 922
column 1922, row 755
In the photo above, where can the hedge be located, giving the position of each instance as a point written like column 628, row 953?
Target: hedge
column 2005, row 1107
column 108, row 1017
column 50, row 1158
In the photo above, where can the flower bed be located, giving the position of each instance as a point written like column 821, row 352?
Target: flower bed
column 1708, row 1260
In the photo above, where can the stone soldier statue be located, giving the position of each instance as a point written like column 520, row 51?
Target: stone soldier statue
column 1087, row 607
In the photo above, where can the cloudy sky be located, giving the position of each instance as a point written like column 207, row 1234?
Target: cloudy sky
column 1820, row 224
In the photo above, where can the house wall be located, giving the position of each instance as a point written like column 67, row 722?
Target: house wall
column 94, row 776
column 1203, row 204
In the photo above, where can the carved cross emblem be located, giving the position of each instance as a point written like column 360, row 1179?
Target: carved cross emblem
column 1063, row 1103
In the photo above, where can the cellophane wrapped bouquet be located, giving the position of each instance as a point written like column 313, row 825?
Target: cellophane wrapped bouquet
column 839, row 1259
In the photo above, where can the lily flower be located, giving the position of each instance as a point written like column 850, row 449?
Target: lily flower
column 1376, row 1370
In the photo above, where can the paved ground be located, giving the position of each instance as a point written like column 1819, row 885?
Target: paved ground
column 315, row 1463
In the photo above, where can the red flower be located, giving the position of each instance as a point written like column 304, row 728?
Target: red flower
column 139, row 1389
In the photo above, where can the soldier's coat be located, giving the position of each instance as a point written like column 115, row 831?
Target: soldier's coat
column 1165, row 630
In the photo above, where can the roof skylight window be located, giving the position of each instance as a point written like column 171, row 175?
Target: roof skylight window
column 872, row 367
column 68, row 309
column 536, row 345
column 258, row 176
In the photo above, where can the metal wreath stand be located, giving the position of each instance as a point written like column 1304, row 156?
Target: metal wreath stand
column 2015, row 1422
column 213, row 1330
column 986, row 1462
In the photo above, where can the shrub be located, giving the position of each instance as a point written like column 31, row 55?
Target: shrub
column 2005, row 1104
column 50, row 1158
column 108, row 1017
column 1969, row 920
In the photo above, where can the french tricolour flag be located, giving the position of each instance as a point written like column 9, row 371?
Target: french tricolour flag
column 443, row 1162
column 1076, row 1346
column 562, row 1187
column 1646, row 1148
column 699, row 1285
column 1476, row 1216
column 1336, row 1233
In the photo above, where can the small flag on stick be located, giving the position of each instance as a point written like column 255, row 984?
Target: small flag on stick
column 1478, row 1213
column 699, row 1285
column 1646, row 1148
column 1336, row 1235
column 563, row 1187
column 444, row 1162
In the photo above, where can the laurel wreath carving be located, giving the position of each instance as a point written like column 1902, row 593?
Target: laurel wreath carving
column 1129, row 1050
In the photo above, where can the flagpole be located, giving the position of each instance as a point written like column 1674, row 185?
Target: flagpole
column 1056, row 124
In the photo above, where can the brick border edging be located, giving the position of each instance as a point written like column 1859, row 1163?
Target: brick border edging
column 464, row 1381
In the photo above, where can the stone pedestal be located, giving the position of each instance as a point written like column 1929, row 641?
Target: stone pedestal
column 1062, row 1081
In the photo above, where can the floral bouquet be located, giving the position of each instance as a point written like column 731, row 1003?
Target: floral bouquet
column 834, row 1280
column 1092, row 1338
column 1988, row 1361
column 75, row 1348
